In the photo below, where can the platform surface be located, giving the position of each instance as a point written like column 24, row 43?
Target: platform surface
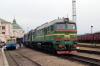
column 1, row 58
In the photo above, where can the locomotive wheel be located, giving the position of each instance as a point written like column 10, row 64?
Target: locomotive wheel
column 52, row 49
column 49, row 48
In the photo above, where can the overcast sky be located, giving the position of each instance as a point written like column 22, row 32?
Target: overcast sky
column 33, row 13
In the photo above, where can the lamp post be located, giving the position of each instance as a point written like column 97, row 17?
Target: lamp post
column 91, row 34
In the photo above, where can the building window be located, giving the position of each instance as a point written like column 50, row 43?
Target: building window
column 3, row 27
column 3, row 32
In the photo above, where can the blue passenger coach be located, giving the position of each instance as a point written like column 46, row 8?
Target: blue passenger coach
column 11, row 43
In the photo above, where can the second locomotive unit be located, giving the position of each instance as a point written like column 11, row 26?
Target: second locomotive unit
column 58, row 36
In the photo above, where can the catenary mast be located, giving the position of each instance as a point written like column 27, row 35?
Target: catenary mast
column 74, row 10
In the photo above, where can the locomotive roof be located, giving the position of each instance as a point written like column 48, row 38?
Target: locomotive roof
column 52, row 22
column 42, row 26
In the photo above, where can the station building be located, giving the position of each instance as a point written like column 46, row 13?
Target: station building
column 8, row 29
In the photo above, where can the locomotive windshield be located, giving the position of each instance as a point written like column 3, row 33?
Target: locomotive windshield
column 71, row 26
column 61, row 26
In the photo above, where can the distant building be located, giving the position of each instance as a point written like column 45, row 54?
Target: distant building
column 8, row 29
column 5, row 29
column 17, row 30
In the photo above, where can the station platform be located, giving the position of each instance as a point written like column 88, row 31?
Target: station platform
column 3, row 60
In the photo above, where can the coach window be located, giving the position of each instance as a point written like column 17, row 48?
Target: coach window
column 48, row 30
column 45, row 30
column 41, row 31
column 52, row 28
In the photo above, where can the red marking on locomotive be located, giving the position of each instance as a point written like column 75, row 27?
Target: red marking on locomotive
column 67, row 52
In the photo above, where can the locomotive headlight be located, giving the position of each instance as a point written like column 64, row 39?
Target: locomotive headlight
column 77, row 47
column 66, row 19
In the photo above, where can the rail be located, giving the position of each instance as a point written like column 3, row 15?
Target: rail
column 19, row 64
column 88, row 61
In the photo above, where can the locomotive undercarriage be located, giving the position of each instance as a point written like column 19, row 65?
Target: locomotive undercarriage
column 48, row 47
column 41, row 45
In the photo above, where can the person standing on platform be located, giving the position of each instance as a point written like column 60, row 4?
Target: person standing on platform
column 20, row 43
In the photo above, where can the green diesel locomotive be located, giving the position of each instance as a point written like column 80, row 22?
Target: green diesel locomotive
column 58, row 36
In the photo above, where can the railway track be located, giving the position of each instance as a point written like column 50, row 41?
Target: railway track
column 22, row 60
column 88, row 51
column 89, row 46
column 81, row 59
column 88, row 61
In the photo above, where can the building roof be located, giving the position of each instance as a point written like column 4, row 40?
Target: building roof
column 15, row 25
column 2, row 20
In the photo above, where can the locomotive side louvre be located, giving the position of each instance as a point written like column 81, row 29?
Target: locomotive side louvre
column 58, row 35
